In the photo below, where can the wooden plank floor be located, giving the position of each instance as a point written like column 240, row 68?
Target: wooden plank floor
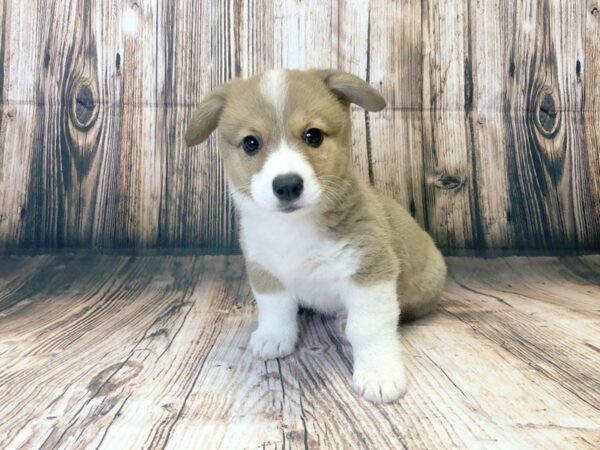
column 150, row 352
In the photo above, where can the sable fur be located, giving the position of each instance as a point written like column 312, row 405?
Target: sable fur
column 391, row 242
column 347, row 247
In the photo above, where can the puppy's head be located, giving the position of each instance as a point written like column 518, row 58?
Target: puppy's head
column 284, row 134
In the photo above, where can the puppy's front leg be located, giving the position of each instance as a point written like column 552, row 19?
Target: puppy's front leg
column 277, row 330
column 372, row 329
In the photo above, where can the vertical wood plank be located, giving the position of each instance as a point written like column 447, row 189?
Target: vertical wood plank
column 3, row 52
column 489, row 64
column 16, row 131
column 56, row 161
column 451, row 190
column 543, row 144
column 523, row 170
column 589, row 194
column 140, row 159
column 395, row 134
column 60, row 46
column 304, row 34
column 256, row 37
column 198, row 50
column 589, row 239
column 352, row 29
column 591, row 65
column 72, row 135
column 21, row 53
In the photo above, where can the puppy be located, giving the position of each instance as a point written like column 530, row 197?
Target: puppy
column 313, row 233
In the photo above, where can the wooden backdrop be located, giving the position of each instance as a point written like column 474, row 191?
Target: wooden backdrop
column 491, row 137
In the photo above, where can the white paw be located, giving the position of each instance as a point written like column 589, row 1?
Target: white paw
column 272, row 345
column 380, row 384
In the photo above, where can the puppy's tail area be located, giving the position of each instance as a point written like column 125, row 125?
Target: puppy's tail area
column 423, row 294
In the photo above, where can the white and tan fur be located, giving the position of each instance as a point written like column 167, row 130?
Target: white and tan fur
column 337, row 247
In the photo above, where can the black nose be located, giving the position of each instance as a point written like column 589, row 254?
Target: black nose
column 288, row 187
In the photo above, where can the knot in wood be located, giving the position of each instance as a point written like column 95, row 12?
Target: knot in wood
column 547, row 119
column 448, row 182
column 84, row 110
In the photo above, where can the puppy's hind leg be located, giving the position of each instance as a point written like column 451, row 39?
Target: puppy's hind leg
column 422, row 293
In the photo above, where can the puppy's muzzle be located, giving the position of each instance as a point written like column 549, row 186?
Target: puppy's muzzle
column 288, row 187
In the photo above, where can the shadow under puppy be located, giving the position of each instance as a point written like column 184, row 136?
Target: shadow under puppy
column 312, row 232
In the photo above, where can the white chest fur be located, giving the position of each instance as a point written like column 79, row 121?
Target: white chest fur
column 314, row 268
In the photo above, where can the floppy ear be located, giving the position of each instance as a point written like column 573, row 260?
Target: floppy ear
column 206, row 118
column 352, row 89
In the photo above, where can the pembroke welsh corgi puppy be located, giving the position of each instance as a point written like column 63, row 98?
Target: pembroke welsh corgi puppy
column 312, row 232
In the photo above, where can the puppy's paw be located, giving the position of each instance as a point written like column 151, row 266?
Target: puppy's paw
column 380, row 383
column 269, row 345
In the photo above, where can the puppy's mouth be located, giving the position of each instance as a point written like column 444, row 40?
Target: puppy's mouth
column 288, row 207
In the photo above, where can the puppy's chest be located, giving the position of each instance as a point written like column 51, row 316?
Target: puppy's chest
column 299, row 255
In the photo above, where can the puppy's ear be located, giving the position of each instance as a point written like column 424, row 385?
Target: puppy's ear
column 352, row 89
column 206, row 118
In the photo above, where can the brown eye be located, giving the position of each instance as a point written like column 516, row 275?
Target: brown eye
column 313, row 137
column 251, row 145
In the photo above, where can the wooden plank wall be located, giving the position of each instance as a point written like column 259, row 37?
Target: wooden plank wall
column 491, row 137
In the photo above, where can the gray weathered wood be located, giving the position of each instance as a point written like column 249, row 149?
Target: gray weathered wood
column 491, row 135
column 120, row 352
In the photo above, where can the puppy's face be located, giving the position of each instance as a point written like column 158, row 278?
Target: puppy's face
column 284, row 135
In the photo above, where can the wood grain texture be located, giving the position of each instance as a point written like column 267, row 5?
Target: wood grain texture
column 490, row 138
column 150, row 352
column 591, row 68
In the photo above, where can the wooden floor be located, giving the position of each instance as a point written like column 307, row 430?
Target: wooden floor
column 150, row 352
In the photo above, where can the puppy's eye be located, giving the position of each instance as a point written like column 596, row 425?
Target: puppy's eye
column 313, row 137
column 251, row 145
